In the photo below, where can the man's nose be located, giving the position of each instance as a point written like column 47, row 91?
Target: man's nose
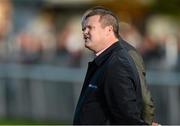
column 85, row 31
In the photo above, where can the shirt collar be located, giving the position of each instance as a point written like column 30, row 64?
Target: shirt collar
column 97, row 54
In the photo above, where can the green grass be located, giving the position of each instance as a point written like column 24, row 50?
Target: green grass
column 29, row 122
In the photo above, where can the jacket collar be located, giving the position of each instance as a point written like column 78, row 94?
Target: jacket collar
column 104, row 55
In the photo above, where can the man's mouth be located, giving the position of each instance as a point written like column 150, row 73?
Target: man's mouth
column 86, row 38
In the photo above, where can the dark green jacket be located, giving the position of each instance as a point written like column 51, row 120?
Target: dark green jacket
column 148, row 106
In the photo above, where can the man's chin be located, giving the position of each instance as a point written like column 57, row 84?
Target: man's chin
column 88, row 46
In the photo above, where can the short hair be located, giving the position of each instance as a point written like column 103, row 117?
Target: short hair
column 107, row 17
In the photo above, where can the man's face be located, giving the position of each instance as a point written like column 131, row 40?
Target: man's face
column 94, row 33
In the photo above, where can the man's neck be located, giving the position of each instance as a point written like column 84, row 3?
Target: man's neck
column 106, row 47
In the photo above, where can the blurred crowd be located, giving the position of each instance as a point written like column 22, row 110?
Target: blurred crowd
column 39, row 41
column 159, row 45
column 49, row 38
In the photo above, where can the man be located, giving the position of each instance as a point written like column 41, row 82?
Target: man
column 111, row 93
column 148, row 105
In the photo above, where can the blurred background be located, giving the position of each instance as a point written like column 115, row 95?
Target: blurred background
column 43, row 60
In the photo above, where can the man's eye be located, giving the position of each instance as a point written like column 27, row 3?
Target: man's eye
column 83, row 29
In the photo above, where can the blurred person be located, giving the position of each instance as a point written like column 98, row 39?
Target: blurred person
column 160, row 54
column 30, row 49
column 130, row 34
column 37, row 40
column 171, row 52
column 153, row 52
column 160, row 45
column 148, row 105
column 132, row 42
column 74, row 37
column 7, row 55
column 5, row 17
column 5, row 30
column 178, row 61
column 62, row 53
column 111, row 92
column 68, row 53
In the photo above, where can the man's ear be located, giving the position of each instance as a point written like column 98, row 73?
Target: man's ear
column 109, row 30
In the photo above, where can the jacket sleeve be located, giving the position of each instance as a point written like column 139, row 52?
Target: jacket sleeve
column 120, row 95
